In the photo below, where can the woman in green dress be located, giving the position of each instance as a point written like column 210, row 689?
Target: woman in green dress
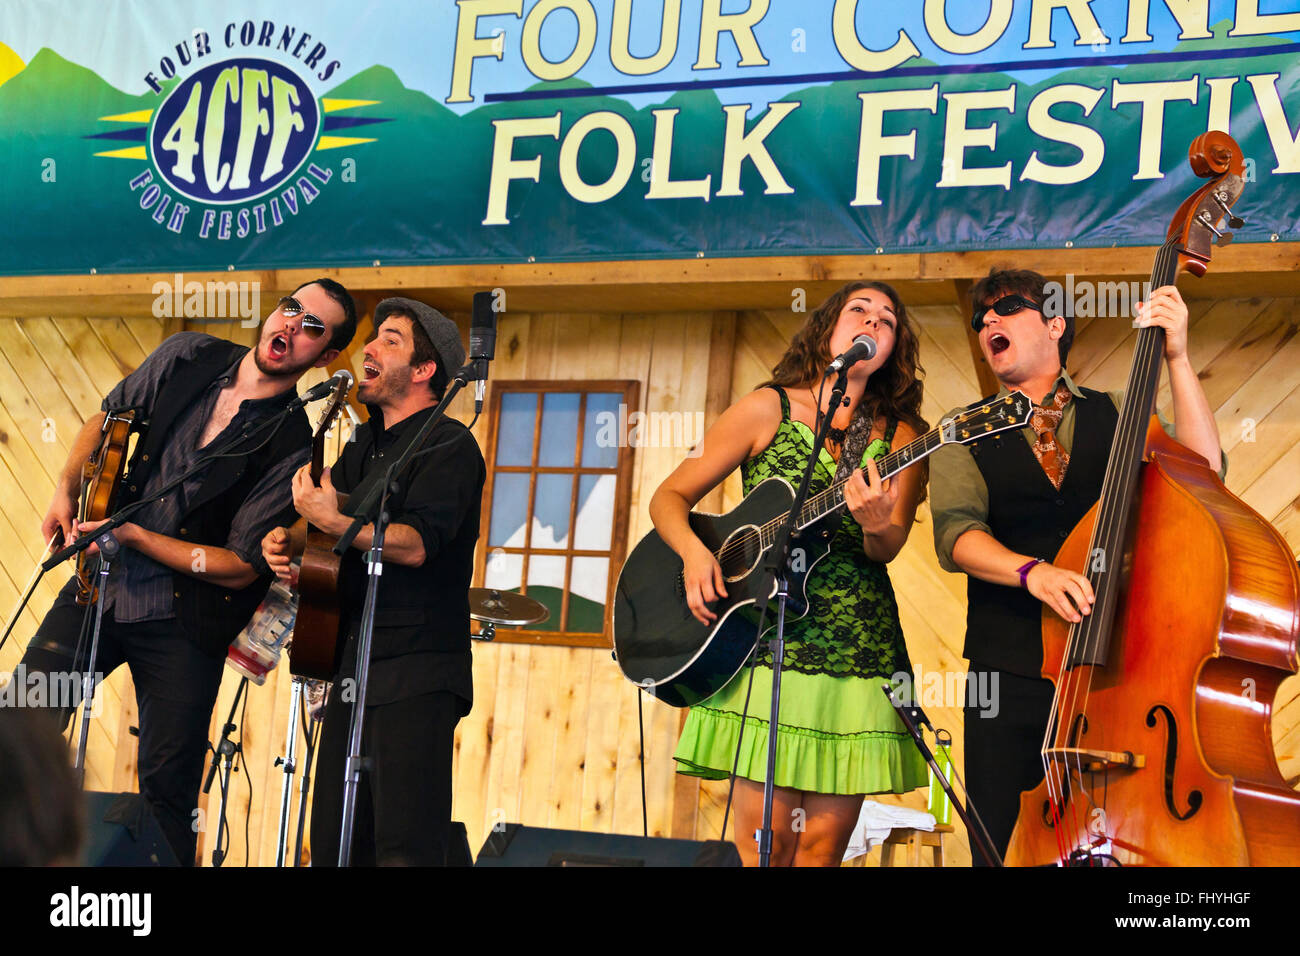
column 838, row 737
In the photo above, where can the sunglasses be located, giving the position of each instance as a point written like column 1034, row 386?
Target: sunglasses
column 312, row 326
column 1007, row 305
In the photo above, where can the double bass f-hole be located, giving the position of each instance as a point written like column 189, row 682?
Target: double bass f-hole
column 1194, row 797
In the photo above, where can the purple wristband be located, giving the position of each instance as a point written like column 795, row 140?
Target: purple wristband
column 1024, row 570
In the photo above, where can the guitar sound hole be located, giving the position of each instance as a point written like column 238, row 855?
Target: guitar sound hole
column 740, row 553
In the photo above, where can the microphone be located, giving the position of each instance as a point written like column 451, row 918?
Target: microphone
column 483, row 330
column 326, row 388
column 863, row 349
column 482, row 344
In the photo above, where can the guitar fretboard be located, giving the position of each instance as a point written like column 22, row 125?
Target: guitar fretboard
column 830, row 499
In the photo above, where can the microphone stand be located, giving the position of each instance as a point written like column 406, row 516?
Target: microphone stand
column 373, row 507
column 775, row 564
column 304, row 788
column 224, row 753
column 288, row 763
column 911, row 714
column 108, row 549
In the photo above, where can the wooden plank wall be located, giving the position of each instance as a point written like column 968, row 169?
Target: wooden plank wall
column 553, row 739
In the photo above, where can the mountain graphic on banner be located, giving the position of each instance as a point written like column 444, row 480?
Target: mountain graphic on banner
column 405, row 180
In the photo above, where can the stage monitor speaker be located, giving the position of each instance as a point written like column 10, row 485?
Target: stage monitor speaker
column 121, row 830
column 458, row 852
column 517, row 845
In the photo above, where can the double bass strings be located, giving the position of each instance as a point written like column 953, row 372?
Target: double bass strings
column 1107, row 531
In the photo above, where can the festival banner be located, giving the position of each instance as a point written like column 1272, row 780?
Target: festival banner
column 196, row 135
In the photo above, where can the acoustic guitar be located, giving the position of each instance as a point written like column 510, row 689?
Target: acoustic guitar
column 317, row 645
column 658, row 642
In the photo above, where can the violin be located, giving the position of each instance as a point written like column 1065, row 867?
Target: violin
column 102, row 477
column 1158, row 750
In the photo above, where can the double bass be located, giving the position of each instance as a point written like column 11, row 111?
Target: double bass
column 1158, row 750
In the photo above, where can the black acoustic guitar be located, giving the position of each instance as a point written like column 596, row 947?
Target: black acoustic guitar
column 657, row 640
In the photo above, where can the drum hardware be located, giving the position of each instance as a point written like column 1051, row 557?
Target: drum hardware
column 493, row 608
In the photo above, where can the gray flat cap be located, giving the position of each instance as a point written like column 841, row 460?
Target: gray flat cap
column 441, row 330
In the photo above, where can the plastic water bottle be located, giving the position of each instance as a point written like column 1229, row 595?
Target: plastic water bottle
column 256, row 651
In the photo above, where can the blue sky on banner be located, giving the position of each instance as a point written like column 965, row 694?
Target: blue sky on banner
column 123, row 39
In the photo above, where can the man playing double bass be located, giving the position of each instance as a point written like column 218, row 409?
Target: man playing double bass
column 1002, row 508
column 190, row 572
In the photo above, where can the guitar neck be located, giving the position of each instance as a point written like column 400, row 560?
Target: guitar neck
column 832, row 498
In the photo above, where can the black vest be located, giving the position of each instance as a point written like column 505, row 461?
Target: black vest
column 212, row 614
column 1030, row 516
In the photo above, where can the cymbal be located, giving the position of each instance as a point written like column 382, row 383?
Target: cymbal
column 505, row 607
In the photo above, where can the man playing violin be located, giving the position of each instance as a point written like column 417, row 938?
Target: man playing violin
column 190, row 572
column 1002, row 508
column 421, row 677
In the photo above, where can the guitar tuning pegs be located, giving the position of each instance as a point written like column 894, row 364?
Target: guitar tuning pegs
column 1236, row 222
column 1223, row 238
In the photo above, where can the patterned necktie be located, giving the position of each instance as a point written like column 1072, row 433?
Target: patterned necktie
column 1046, row 420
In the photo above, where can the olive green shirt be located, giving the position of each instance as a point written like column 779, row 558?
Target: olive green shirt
column 959, row 498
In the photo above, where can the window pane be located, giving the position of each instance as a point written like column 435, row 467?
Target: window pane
column 559, row 429
column 546, row 584
column 551, row 511
column 505, row 572
column 603, row 430
column 588, row 592
column 595, row 524
column 516, row 428
column 509, row 511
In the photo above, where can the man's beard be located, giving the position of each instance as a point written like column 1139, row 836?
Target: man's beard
column 385, row 385
column 286, row 371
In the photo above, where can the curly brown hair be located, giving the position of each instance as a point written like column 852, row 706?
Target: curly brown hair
column 893, row 392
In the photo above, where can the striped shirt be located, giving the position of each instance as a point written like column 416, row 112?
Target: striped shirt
column 139, row 588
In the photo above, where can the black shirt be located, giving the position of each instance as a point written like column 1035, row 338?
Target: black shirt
column 140, row 588
column 421, row 640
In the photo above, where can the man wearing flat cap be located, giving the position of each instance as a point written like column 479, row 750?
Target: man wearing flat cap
column 420, row 681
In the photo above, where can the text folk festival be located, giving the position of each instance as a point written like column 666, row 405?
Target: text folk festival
column 753, row 436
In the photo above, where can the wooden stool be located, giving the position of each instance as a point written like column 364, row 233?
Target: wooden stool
column 914, row 839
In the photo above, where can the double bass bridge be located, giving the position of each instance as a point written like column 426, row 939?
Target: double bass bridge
column 1095, row 761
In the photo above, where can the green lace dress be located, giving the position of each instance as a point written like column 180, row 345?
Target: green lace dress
column 837, row 733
